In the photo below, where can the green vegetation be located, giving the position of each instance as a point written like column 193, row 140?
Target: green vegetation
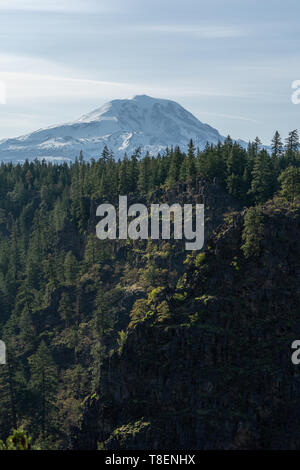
column 67, row 299
column 17, row 441
column 253, row 231
column 290, row 183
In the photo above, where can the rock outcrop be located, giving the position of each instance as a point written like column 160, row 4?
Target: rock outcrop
column 214, row 370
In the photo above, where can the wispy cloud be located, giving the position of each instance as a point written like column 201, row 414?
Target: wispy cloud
column 48, row 80
column 229, row 116
column 209, row 32
column 54, row 5
column 32, row 87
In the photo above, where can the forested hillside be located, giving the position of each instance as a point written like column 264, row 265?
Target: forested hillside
column 77, row 312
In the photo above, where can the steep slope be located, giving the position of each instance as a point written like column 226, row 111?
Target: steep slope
column 210, row 366
column 121, row 125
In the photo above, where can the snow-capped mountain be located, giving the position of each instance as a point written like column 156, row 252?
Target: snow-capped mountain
column 121, row 125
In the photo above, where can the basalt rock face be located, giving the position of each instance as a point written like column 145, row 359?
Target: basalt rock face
column 216, row 372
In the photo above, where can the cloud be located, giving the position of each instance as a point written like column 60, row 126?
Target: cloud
column 21, row 62
column 2, row 92
column 41, row 92
column 229, row 116
column 32, row 87
column 51, row 81
column 209, row 32
column 24, row 87
column 54, row 5
column 14, row 120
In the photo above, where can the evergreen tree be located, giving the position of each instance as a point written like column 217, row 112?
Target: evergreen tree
column 292, row 141
column 106, row 154
column 262, row 183
column 70, row 268
column 277, row 146
column 66, row 309
column 191, row 166
column 174, row 169
column 144, row 175
column 257, row 145
column 253, row 232
column 124, row 176
column 289, row 180
column 43, row 380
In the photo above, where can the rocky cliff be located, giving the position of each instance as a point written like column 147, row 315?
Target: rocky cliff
column 208, row 366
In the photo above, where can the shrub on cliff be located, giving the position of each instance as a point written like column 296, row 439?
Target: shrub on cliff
column 253, row 231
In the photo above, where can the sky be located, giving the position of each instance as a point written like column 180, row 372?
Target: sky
column 231, row 63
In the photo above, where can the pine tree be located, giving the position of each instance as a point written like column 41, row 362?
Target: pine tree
column 292, row 141
column 70, row 268
column 106, row 154
column 43, row 381
column 236, row 165
column 262, row 183
column 144, row 175
column 191, row 166
column 257, row 145
column 27, row 335
column 124, row 176
column 102, row 321
column 133, row 173
column 66, row 309
column 174, row 169
column 277, row 146
column 253, row 231
column 290, row 183
column 183, row 173
column 292, row 146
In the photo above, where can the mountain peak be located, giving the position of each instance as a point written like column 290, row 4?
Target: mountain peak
column 142, row 97
column 122, row 125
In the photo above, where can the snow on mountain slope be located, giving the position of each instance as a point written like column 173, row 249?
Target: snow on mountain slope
column 121, row 125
